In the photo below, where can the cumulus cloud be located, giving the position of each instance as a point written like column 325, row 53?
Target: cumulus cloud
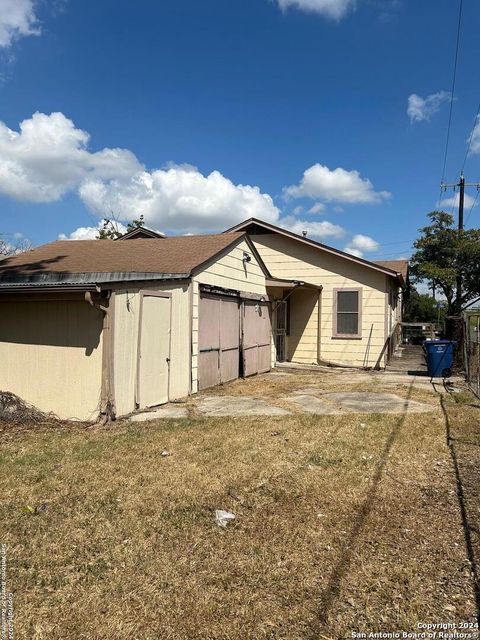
column 334, row 9
column 49, row 157
column 420, row 109
column 319, row 230
column 17, row 19
column 453, row 201
column 337, row 185
column 360, row 244
column 178, row 198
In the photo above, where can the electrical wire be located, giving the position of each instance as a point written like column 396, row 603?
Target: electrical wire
column 452, row 93
column 471, row 208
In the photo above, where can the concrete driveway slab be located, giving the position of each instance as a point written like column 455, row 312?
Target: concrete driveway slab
column 237, row 406
column 311, row 404
column 357, row 402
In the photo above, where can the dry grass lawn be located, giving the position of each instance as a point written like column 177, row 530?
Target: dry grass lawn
column 343, row 523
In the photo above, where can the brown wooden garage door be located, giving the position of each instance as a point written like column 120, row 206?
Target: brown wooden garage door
column 257, row 331
column 219, row 340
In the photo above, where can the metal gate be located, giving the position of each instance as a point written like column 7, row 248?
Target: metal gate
column 280, row 330
column 257, row 337
column 472, row 349
column 219, row 340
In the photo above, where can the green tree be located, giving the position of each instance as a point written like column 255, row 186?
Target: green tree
column 110, row 228
column 134, row 224
column 442, row 254
column 420, row 307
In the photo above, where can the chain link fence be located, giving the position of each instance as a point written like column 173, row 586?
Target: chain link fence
column 472, row 349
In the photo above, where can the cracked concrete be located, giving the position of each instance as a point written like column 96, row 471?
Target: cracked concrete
column 357, row 402
column 165, row 411
column 319, row 395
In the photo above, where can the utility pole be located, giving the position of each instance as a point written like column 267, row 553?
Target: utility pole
column 461, row 202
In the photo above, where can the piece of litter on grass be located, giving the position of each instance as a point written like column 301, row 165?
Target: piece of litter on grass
column 223, row 517
column 275, row 433
column 165, row 453
column 28, row 509
column 363, row 425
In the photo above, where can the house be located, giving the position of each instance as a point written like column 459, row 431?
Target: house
column 91, row 328
column 349, row 320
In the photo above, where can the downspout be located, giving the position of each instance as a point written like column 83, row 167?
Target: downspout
column 107, row 408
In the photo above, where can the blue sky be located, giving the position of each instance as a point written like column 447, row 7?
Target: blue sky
column 199, row 114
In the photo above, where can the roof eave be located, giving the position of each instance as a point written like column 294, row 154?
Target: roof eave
column 56, row 280
column 313, row 243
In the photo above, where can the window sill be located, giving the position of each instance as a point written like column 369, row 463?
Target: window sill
column 346, row 337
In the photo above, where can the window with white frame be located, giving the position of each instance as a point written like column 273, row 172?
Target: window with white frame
column 347, row 313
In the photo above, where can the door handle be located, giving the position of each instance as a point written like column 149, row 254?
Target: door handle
column 168, row 360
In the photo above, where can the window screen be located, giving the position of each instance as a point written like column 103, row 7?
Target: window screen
column 347, row 313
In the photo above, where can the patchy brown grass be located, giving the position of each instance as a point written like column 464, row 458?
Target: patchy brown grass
column 339, row 527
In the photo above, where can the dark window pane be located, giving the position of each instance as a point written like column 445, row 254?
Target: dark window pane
column 347, row 301
column 347, row 323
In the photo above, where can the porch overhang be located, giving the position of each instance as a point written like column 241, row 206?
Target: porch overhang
column 291, row 284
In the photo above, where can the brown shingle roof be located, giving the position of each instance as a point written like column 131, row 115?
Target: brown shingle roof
column 174, row 255
column 399, row 266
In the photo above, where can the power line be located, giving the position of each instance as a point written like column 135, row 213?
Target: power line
column 473, row 204
column 452, row 93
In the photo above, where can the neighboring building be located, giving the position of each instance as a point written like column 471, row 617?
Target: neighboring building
column 100, row 327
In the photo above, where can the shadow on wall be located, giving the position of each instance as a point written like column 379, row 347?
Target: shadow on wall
column 60, row 323
column 302, row 306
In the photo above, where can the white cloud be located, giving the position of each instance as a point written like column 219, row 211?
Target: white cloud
column 453, row 201
column 334, row 9
column 320, row 230
column 474, row 138
column 360, row 244
column 337, row 185
column 178, row 199
column 49, row 157
column 420, row 109
column 90, row 233
column 318, row 207
column 17, row 19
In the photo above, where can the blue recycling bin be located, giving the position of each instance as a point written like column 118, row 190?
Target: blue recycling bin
column 439, row 357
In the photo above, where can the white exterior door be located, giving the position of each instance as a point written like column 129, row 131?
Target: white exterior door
column 154, row 350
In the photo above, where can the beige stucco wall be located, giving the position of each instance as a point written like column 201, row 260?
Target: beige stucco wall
column 126, row 326
column 51, row 355
column 288, row 258
column 228, row 272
